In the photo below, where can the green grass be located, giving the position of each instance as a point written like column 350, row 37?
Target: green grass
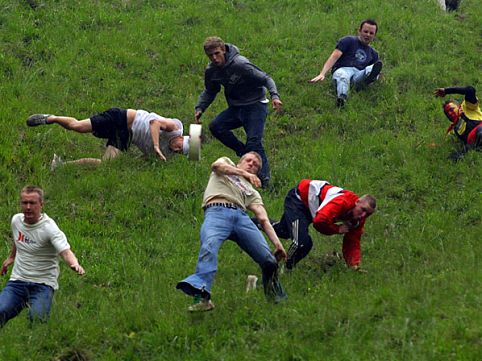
column 134, row 223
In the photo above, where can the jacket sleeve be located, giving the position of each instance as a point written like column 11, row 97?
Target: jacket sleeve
column 468, row 91
column 324, row 221
column 209, row 93
column 351, row 246
column 260, row 77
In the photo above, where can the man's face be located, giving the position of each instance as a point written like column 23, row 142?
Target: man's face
column 367, row 33
column 361, row 210
column 176, row 144
column 217, row 56
column 31, row 207
column 250, row 164
column 453, row 111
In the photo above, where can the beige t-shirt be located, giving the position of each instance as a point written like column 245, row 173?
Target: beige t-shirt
column 232, row 188
column 38, row 246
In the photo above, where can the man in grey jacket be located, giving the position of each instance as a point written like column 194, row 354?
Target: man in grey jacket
column 245, row 91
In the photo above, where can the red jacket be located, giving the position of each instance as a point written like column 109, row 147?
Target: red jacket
column 329, row 206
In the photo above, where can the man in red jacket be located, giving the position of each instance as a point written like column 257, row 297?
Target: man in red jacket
column 332, row 210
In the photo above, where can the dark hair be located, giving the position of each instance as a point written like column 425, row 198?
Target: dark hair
column 369, row 22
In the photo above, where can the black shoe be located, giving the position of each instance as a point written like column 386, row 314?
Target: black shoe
column 377, row 68
column 37, row 119
column 265, row 183
column 341, row 100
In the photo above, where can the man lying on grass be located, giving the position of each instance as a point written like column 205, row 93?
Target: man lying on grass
column 151, row 133
column 466, row 118
column 332, row 210
column 228, row 195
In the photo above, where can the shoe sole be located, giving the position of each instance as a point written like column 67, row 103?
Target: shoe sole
column 377, row 68
column 37, row 119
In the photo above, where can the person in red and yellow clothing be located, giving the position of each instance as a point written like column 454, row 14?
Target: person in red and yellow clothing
column 332, row 210
column 466, row 118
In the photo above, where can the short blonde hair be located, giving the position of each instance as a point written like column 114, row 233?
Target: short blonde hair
column 213, row 42
column 33, row 189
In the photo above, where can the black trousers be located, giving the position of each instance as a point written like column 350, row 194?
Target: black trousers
column 294, row 225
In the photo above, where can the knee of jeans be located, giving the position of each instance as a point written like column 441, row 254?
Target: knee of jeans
column 214, row 128
column 341, row 75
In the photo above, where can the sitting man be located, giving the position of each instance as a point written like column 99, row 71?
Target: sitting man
column 466, row 118
column 332, row 210
column 353, row 61
column 228, row 195
column 151, row 133
column 37, row 243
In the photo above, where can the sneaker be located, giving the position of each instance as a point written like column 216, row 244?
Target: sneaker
column 56, row 162
column 377, row 68
column 341, row 100
column 37, row 119
column 200, row 305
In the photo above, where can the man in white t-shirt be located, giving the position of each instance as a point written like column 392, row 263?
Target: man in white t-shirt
column 37, row 243
column 150, row 132
column 228, row 195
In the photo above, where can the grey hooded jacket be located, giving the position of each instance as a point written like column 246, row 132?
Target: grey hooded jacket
column 244, row 83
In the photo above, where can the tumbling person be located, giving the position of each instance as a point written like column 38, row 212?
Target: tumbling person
column 245, row 91
column 353, row 61
column 332, row 210
column 466, row 118
column 228, row 195
column 37, row 243
column 150, row 132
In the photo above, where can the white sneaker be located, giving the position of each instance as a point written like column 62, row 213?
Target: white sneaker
column 56, row 162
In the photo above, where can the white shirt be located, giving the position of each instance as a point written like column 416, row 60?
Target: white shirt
column 38, row 246
column 141, row 133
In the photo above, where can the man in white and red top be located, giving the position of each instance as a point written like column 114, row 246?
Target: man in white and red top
column 37, row 243
column 332, row 210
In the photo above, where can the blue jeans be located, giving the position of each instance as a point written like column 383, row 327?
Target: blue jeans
column 20, row 294
column 252, row 118
column 342, row 77
column 219, row 225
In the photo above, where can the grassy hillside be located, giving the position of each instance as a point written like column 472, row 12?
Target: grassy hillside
column 134, row 223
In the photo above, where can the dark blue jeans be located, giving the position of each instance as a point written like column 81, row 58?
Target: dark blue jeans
column 20, row 294
column 252, row 118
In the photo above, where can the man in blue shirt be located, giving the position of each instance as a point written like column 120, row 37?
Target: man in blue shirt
column 353, row 61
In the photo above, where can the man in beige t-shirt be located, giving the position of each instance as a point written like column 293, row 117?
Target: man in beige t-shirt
column 228, row 195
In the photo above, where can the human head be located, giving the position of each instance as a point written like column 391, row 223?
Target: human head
column 365, row 206
column 251, row 162
column 367, row 31
column 215, row 49
column 176, row 144
column 452, row 110
column 31, row 202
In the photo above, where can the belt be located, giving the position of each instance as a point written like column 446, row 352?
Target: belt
column 225, row 205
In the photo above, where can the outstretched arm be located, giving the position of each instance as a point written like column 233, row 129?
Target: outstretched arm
column 262, row 216
column 156, row 125
column 335, row 55
column 71, row 260
column 220, row 167
column 9, row 260
column 468, row 91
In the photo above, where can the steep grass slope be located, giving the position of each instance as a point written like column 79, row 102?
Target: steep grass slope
column 134, row 223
